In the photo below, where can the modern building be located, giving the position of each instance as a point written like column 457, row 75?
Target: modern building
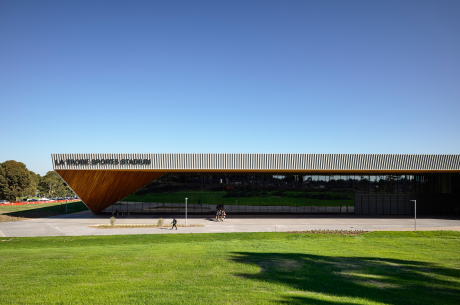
column 264, row 183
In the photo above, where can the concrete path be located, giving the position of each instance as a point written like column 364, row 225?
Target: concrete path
column 79, row 224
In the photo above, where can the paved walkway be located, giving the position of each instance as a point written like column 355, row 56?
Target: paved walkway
column 79, row 224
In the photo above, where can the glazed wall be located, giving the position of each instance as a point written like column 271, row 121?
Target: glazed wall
column 436, row 194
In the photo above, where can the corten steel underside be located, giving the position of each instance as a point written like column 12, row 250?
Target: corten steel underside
column 101, row 180
column 99, row 189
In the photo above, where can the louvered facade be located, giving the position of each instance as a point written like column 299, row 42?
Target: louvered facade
column 264, row 162
column 264, row 183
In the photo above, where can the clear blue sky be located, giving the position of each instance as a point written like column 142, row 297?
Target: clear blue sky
column 228, row 76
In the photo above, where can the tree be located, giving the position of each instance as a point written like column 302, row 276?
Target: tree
column 14, row 179
column 53, row 185
column 33, row 185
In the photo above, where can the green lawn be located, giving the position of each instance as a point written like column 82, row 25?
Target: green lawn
column 20, row 212
column 233, row 268
column 285, row 198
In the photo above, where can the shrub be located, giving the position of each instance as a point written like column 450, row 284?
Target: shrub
column 160, row 222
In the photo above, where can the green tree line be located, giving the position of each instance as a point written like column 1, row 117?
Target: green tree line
column 16, row 181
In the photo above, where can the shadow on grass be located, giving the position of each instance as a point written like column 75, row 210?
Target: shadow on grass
column 321, row 280
column 39, row 210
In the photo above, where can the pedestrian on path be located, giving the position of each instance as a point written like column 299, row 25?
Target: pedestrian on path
column 174, row 222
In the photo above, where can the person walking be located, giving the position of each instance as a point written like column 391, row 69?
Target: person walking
column 174, row 222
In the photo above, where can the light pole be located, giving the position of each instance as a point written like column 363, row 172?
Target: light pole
column 415, row 215
column 186, row 212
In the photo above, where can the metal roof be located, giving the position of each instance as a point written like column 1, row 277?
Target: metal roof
column 262, row 162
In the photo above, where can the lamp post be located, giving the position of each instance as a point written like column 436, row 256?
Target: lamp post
column 186, row 212
column 415, row 215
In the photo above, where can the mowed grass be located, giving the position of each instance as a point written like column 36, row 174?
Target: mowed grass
column 20, row 212
column 233, row 268
column 284, row 198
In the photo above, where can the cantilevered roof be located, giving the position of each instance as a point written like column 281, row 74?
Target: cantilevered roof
column 257, row 162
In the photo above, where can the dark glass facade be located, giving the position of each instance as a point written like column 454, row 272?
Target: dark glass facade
column 436, row 194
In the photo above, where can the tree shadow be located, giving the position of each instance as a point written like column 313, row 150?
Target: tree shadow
column 46, row 210
column 315, row 279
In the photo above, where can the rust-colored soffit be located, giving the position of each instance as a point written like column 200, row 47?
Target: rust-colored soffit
column 99, row 189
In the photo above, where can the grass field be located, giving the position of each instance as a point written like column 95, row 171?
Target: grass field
column 233, row 268
column 21, row 212
column 285, row 198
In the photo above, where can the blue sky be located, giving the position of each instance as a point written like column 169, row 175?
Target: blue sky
column 228, row 76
